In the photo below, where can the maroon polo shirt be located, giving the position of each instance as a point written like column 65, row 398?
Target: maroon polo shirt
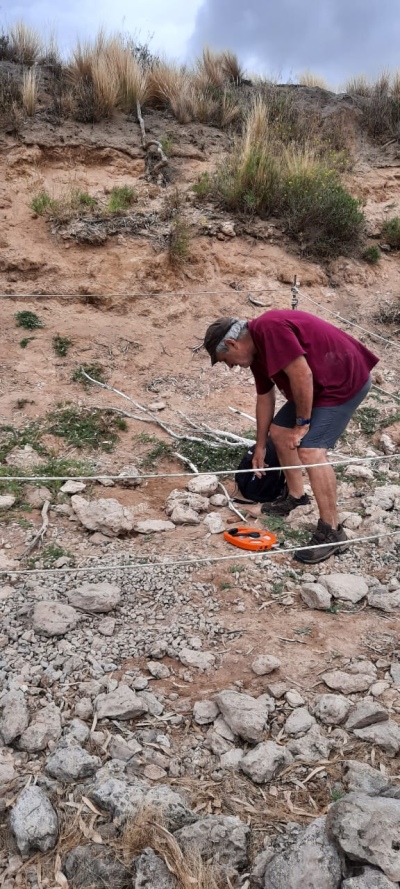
column 339, row 363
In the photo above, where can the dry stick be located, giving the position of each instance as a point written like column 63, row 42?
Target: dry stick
column 146, row 145
column 38, row 539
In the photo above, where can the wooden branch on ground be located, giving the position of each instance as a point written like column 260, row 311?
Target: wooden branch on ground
column 38, row 539
column 148, row 144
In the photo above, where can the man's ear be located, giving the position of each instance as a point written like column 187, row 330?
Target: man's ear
column 231, row 343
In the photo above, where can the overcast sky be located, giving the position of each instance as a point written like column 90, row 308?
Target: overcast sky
column 333, row 38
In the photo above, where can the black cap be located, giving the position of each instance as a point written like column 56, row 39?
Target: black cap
column 215, row 333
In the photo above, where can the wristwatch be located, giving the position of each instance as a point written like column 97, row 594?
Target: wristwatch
column 301, row 422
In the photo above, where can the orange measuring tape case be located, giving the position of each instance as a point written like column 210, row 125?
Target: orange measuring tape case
column 250, row 538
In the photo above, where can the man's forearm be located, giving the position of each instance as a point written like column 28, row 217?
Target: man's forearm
column 301, row 384
column 265, row 407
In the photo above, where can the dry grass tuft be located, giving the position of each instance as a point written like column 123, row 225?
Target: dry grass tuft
column 30, row 91
column 308, row 78
column 232, row 67
column 358, row 86
column 106, row 86
column 210, row 70
column 148, row 830
column 26, row 46
column 179, row 242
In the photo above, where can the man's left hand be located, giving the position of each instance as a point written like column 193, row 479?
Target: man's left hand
column 296, row 435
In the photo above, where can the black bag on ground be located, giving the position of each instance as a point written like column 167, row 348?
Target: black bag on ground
column 271, row 484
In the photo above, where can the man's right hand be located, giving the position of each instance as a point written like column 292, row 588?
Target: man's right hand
column 258, row 461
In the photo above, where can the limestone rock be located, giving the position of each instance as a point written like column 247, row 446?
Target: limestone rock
column 129, row 476
column 367, row 829
column 73, row 487
column 355, row 471
column 95, row 598
column 204, row 712
column 219, row 838
column 95, row 865
column 348, row 683
column 34, row 822
column 293, row 698
column 366, row 712
column 370, row 878
column 313, row 862
column 107, row 626
column 123, row 750
column 349, row 587
column 331, row 709
column 69, row 763
column 265, row 761
column 122, row 703
column 219, row 500
column 36, row 497
column 24, row 458
column 232, row 758
column 159, row 671
column 151, row 872
column 203, row 484
column 153, row 526
column 299, row 721
column 246, row 716
column 214, row 523
column 105, row 515
column 202, row 660
column 7, row 501
column 7, row 770
column 315, row 595
column 384, row 599
column 15, row 715
column 265, row 664
column 45, row 727
column 362, row 778
column 52, row 618
column 187, row 500
column 384, row 734
column 183, row 515
column 312, row 747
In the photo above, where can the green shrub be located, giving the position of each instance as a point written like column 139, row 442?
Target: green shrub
column 61, row 345
column 179, row 242
column 41, row 203
column 121, row 198
column 372, row 254
column 28, row 320
column 86, row 428
column 25, row 341
column 391, row 231
column 93, row 370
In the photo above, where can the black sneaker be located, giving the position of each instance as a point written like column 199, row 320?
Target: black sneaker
column 285, row 504
column 326, row 541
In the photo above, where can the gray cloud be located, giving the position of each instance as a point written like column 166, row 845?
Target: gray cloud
column 334, row 38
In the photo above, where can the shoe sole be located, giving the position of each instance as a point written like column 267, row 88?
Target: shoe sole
column 310, row 561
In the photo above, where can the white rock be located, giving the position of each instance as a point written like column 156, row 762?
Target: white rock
column 15, row 715
column 367, row 829
column 203, row 484
column 24, row 458
column 120, row 704
column 349, row 587
column 204, row 712
column 299, row 721
column 157, row 406
column 232, row 758
column 355, row 471
column 34, row 822
column 105, row 515
column 222, row 728
column 294, row 699
column 202, row 660
column 70, row 763
column 107, row 626
column 352, row 521
column 7, row 770
column 73, row 487
column 378, row 688
column 153, row 526
column 186, row 500
column 51, row 618
column 214, row 523
column 7, row 501
column 95, row 598
column 265, row 664
column 384, row 734
column 385, row 600
column 347, row 683
column 218, row 500
column 364, row 713
column 183, row 515
column 387, row 444
column 362, row 778
column 245, row 715
column 314, row 595
column 36, row 497
column 265, row 761
column 311, row 747
column 370, row 878
column 84, row 708
column 45, row 727
column 311, row 862
column 331, row 709
column 129, row 476
column 159, row 671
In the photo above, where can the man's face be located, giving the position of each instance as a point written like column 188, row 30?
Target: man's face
column 240, row 352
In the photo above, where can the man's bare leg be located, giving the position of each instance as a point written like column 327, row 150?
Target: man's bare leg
column 323, row 483
column 288, row 457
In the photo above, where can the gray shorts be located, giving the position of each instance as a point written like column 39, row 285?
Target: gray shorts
column 327, row 423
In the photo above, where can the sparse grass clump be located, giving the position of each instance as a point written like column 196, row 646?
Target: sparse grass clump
column 72, row 203
column 367, row 418
column 96, row 371
column 25, row 341
column 85, row 428
column 308, row 78
column 26, row 46
column 61, row 344
column 372, row 254
column 179, row 242
column 389, row 312
column 391, row 232
column 380, row 103
column 121, row 198
column 41, row 203
column 28, row 320
column 30, row 91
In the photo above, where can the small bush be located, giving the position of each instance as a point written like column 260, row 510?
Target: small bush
column 41, row 203
column 179, row 242
column 25, row 341
column 73, row 203
column 26, row 46
column 389, row 313
column 61, row 344
column 391, row 231
column 121, row 198
column 372, row 254
column 10, row 98
column 28, row 320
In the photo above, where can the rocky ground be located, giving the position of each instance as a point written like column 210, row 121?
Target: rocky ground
column 174, row 713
